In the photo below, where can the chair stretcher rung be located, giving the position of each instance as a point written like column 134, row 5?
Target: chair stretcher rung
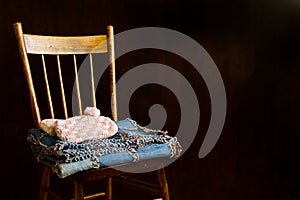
column 52, row 194
column 93, row 196
column 154, row 189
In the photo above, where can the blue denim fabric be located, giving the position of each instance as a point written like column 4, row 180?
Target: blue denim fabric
column 132, row 127
column 154, row 151
column 57, row 153
column 66, row 169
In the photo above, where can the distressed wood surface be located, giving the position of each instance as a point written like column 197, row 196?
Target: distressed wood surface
column 36, row 44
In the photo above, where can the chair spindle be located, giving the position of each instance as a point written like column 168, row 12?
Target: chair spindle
column 47, row 87
column 63, row 98
column 92, row 80
column 77, row 86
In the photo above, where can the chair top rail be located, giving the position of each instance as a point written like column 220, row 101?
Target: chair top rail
column 40, row 44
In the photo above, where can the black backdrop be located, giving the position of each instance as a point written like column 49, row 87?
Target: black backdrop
column 253, row 43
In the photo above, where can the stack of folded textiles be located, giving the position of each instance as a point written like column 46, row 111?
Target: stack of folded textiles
column 108, row 143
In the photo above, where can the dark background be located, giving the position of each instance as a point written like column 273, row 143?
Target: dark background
column 253, row 43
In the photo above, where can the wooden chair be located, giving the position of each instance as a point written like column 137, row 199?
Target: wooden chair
column 33, row 45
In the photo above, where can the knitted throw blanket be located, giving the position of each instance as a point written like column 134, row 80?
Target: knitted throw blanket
column 121, row 142
column 67, row 152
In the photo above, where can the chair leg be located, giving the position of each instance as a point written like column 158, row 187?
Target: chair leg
column 78, row 190
column 108, row 195
column 162, row 179
column 45, row 183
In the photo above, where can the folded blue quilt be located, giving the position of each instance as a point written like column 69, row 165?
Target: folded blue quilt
column 131, row 143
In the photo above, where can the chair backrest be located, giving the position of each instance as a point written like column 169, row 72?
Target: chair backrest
column 59, row 46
